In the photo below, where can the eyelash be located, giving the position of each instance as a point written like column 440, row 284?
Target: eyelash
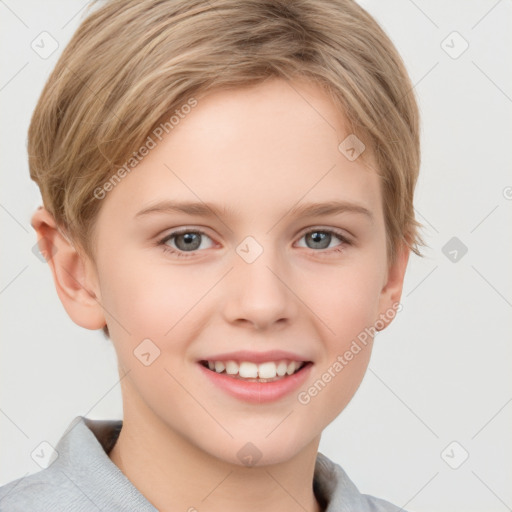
column 184, row 254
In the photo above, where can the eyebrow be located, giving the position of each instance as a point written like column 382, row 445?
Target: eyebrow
column 209, row 210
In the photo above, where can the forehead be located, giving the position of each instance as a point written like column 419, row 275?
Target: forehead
column 266, row 147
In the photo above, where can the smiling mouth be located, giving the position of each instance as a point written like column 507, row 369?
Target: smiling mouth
column 251, row 372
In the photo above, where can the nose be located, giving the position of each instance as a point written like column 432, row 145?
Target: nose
column 259, row 294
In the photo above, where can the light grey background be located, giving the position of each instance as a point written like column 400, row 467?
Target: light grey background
column 440, row 373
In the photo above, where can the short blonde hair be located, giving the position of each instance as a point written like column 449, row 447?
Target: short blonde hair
column 132, row 63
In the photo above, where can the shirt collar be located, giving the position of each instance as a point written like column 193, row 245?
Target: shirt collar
column 83, row 459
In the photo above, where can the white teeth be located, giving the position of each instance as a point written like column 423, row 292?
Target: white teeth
column 267, row 370
column 248, row 370
column 281, row 368
column 231, row 367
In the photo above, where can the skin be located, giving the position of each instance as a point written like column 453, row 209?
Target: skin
column 258, row 151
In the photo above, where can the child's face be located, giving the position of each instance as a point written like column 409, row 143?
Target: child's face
column 255, row 154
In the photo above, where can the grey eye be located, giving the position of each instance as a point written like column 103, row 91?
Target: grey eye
column 319, row 239
column 188, row 241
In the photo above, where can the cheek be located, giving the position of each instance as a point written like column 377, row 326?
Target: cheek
column 345, row 299
column 151, row 300
column 146, row 297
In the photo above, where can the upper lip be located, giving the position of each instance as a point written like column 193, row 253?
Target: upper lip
column 256, row 357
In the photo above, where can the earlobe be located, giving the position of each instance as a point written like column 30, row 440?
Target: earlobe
column 391, row 293
column 73, row 274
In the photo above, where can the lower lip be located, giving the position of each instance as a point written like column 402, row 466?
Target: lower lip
column 258, row 392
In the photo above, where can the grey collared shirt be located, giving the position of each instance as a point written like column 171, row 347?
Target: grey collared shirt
column 83, row 479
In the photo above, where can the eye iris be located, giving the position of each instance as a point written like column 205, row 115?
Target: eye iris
column 319, row 237
column 192, row 241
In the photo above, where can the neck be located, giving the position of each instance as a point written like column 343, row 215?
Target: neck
column 174, row 474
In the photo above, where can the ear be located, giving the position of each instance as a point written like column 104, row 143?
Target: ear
column 74, row 275
column 392, row 291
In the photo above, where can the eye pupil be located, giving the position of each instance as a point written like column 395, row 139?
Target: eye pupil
column 319, row 237
column 189, row 239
